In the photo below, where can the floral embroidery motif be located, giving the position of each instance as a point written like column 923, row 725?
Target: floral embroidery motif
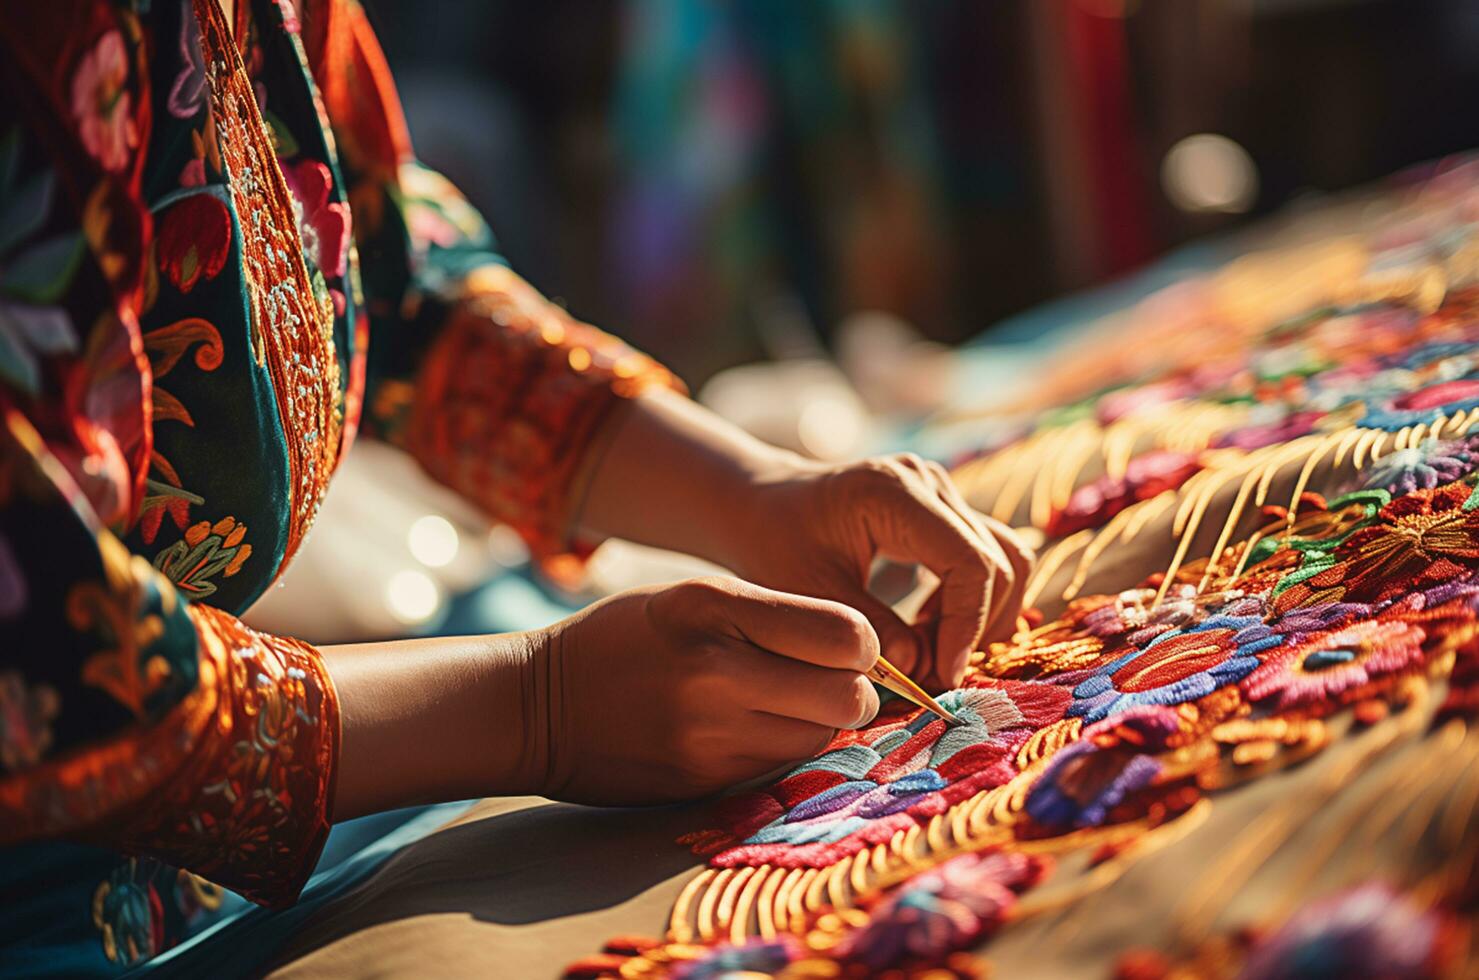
column 102, row 105
column 864, row 790
column 1177, row 666
column 187, row 94
column 1424, row 467
column 165, row 347
column 140, row 665
column 130, row 916
column 207, row 549
column 143, row 907
column 1417, row 540
column 1326, row 664
column 34, row 275
column 193, row 239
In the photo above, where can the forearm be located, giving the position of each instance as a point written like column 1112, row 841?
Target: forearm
column 671, row 474
column 437, row 719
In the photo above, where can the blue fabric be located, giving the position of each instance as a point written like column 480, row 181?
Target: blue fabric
column 47, row 890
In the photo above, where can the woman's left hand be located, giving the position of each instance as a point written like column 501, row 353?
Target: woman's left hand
column 676, row 476
column 815, row 529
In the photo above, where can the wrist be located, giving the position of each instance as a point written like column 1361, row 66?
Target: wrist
column 437, row 719
column 753, row 509
column 676, row 476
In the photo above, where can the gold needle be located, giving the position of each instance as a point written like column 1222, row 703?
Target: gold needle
column 897, row 681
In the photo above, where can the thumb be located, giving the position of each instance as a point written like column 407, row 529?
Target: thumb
column 898, row 643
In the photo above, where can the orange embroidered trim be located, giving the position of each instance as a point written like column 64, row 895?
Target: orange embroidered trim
column 250, row 808
column 509, row 397
column 292, row 336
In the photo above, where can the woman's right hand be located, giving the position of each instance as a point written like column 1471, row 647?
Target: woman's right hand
column 669, row 693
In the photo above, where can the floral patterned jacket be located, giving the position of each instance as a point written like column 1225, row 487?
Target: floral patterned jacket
column 204, row 219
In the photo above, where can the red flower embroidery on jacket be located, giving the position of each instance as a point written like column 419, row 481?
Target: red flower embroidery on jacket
column 324, row 224
column 193, row 240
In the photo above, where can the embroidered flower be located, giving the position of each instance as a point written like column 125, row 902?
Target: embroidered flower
column 943, row 910
column 207, row 549
column 1424, row 467
column 1135, row 610
column 322, row 223
column 130, row 916
column 26, row 714
column 1084, row 781
column 1317, row 669
column 881, row 779
column 1423, row 405
column 1417, row 540
column 146, row 644
column 1367, row 932
column 1176, row 666
column 187, row 94
column 101, row 105
column 193, row 239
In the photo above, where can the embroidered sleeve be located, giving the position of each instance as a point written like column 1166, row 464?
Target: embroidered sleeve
column 132, row 719
column 494, row 389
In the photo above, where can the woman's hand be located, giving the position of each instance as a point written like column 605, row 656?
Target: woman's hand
column 670, row 693
column 676, row 476
column 649, row 696
column 816, row 530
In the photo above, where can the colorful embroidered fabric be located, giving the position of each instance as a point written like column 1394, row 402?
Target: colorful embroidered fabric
column 1256, row 532
column 202, row 222
column 1368, row 931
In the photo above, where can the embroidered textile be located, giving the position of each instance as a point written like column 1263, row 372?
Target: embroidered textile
column 1260, row 528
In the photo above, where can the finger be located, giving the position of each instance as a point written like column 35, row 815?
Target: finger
column 897, row 640
column 1023, row 560
column 1010, row 555
column 931, row 533
column 782, row 742
column 817, row 631
column 792, row 689
column 926, row 628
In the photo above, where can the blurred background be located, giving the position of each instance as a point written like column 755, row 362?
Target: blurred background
column 708, row 178
column 829, row 216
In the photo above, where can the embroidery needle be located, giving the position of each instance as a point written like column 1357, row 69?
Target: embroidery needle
column 897, row 681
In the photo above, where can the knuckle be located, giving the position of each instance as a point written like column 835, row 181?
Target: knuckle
column 848, row 632
column 706, row 589
column 697, row 598
column 860, row 702
column 910, row 460
column 859, row 637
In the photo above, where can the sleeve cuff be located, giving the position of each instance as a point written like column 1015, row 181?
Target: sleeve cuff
column 509, row 399
column 251, row 806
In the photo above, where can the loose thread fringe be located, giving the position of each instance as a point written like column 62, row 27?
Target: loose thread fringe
column 1061, row 452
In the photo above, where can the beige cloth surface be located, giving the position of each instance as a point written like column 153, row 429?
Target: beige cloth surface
column 520, row 888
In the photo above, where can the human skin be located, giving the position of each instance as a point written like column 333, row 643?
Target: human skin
column 674, row 692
